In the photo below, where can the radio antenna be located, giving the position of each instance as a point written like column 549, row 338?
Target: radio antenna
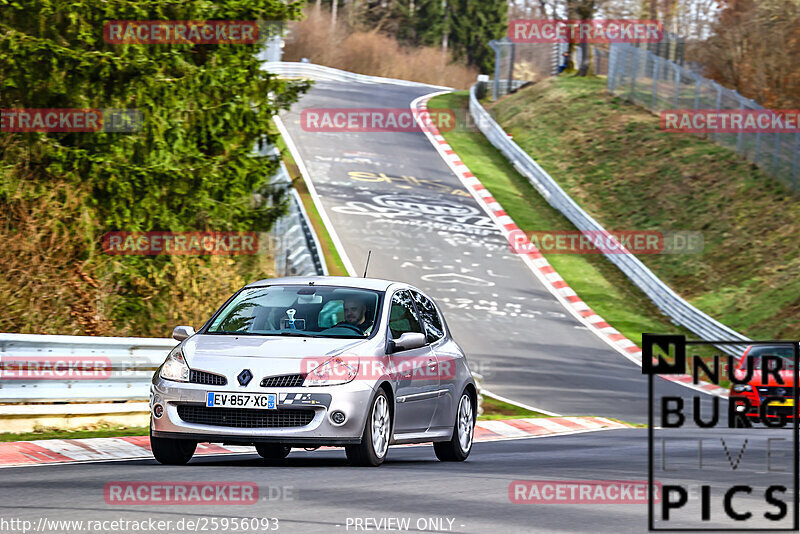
column 367, row 265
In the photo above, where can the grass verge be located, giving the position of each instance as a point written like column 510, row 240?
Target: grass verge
column 495, row 409
column 105, row 431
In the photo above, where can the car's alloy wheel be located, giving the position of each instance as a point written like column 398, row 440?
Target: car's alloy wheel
column 377, row 433
column 273, row 451
column 172, row 451
column 466, row 424
column 460, row 444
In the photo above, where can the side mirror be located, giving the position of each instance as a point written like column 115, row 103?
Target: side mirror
column 182, row 332
column 407, row 341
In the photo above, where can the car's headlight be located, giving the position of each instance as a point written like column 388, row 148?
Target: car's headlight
column 335, row 371
column 738, row 388
column 175, row 367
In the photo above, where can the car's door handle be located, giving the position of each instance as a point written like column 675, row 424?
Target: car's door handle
column 432, row 363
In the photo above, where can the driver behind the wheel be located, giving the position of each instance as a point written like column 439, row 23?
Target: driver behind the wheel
column 355, row 314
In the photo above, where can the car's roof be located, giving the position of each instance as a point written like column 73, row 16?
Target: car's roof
column 340, row 281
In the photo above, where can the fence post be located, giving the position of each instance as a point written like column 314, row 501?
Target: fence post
column 697, row 94
column 656, row 72
column 719, row 103
column 758, row 145
column 677, row 70
column 511, row 69
column 612, row 67
column 635, row 62
column 775, row 154
column 794, row 165
column 556, row 58
column 596, row 60
column 740, row 136
column 496, row 85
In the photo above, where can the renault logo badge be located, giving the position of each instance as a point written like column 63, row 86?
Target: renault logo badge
column 245, row 377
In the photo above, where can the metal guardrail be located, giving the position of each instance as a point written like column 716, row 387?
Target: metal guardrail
column 297, row 249
column 671, row 304
column 319, row 72
column 127, row 366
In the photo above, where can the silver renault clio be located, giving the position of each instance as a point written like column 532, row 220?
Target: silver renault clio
column 313, row 361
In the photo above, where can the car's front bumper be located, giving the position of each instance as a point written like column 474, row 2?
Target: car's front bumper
column 353, row 399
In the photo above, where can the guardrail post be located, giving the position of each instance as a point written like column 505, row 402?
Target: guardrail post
column 775, row 154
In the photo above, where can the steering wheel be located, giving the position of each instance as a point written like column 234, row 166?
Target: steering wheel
column 348, row 325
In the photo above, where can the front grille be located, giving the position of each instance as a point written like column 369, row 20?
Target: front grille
column 201, row 377
column 245, row 418
column 284, row 381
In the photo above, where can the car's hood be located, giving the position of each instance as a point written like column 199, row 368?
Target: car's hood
column 263, row 355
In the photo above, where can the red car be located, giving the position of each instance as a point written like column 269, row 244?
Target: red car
column 756, row 390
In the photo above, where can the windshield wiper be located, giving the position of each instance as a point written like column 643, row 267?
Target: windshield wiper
column 295, row 334
column 227, row 333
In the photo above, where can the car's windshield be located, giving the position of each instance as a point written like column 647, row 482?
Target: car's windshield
column 294, row 310
column 786, row 353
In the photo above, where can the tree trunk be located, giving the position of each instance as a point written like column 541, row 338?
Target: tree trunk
column 445, row 33
column 334, row 9
column 587, row 65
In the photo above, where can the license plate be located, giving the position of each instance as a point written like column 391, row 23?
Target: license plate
column 787, row 402
column 266, row 401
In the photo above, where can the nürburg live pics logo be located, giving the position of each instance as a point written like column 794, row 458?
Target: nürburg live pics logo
column 725, row 463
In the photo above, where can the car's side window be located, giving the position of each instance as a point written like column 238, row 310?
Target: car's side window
column 430, row 319
column 402, row 315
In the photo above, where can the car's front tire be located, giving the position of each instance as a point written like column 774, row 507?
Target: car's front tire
column 377, row 432
column 460, row 444
column 272, row 451
column 172, row 451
